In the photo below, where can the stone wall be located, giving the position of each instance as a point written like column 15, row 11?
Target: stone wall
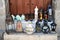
column 2, row 14
column 57, row 16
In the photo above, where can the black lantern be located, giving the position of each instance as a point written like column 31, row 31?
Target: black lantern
column 53, row 26
column 45, row 28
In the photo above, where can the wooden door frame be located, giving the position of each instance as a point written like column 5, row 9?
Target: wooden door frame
column 7, row 5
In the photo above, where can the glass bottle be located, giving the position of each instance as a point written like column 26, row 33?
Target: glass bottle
column 19, row 26
column 41, row 14
column 10, row 26
column 38, row 27
column 49, row 9
column 15, row 23
column 50, row 13
column 45, row 15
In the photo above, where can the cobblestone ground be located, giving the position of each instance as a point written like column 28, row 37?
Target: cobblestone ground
column 58, row 38
column 1, row 39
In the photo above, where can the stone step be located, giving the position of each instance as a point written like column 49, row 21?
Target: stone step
column 35, row 36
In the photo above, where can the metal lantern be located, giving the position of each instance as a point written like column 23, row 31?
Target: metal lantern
column 45, row 28
column 9, row 23
column 53, row 26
